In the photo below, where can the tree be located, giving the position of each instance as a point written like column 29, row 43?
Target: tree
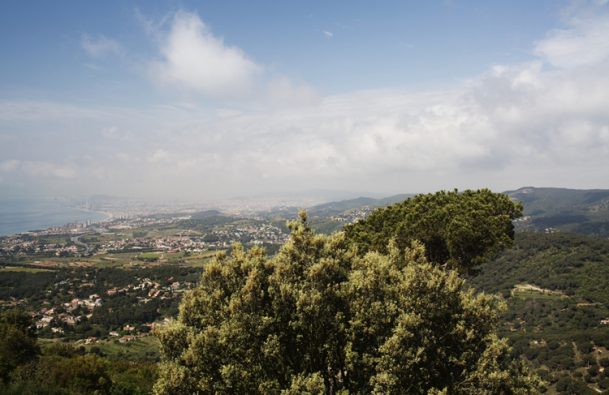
column 458, row 230
column 320, row 318
column 18, row 344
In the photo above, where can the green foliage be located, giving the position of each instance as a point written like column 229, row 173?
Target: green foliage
column 148, row 256
column 575, row 265
column 64, row 370
column 61, row 369
column 457, row 229
column 80, row 374
column 17, row 342
column 567, row 385
column 318, row 317
column 572, row 210
column 556, row 325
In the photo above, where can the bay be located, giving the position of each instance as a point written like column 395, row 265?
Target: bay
column 21, row 215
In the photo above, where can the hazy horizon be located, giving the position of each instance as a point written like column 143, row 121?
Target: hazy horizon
column 202, row 101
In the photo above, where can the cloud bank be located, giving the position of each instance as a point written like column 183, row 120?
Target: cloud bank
column 543, row 122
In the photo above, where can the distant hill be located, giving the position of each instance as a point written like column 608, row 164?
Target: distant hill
column 393, row 199
column 335, row 208
column 331, row 217
column 574, row 210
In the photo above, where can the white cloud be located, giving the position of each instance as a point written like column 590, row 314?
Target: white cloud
column 193, row 58
column 328, row 34
column 584, row 42
column 100, row 46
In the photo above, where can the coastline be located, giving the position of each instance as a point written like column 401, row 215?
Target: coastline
column 108, row 214
column 23, row 217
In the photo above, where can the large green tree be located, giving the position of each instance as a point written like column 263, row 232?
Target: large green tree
column 321, row 318
column 458, row 229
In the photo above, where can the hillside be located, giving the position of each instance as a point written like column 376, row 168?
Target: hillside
column 557, row 289
column 573, row 210
column 339, row 207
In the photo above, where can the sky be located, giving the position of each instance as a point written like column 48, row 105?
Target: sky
column 208, row 100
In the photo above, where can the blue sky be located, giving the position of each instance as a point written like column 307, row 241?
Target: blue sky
column 213, row 99
column 335, row 46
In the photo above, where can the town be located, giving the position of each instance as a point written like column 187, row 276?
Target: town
column 116, row 280
column 131, row 234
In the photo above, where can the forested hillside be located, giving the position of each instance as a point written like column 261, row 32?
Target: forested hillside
column 573, row 210
column 557, row 289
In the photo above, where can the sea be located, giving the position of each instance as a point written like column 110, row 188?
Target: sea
column 22, row 215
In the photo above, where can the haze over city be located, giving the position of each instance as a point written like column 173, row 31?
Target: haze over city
column 208, row 100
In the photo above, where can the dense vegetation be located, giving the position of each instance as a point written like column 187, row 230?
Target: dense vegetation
column 457, row 229
column 571, row 210
column 324, row 317
column 17, row 342
column 58, row 286
column 557, row 291
column 62, row 369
